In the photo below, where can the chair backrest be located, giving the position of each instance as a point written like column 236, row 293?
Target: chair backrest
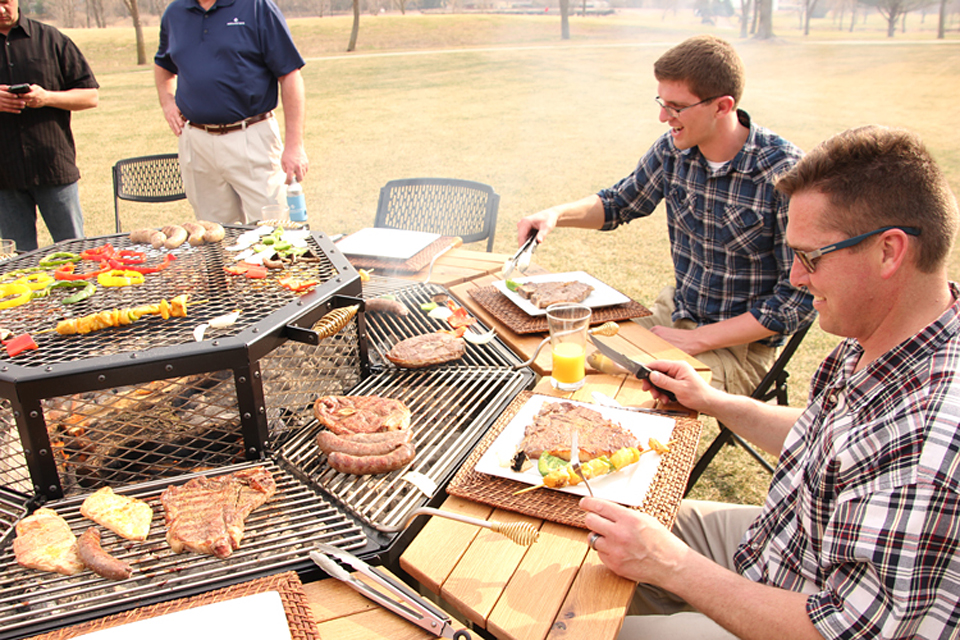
column 440, row 205
column 146, row 179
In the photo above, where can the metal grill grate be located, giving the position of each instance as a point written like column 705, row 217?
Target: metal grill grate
column 278, row 537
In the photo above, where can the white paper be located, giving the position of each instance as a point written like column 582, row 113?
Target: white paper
column 603, row 295
column 628, row 486
column 388, row 244
column 255, row 617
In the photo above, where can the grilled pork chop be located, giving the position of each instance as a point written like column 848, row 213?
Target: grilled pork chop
column 426, row 350
column 347, row 415
column 44, row 541
column 206, row 515
column 544, row 294
column 553, row 427
column 127, row 517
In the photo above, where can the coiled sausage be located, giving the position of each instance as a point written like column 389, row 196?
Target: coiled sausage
column 368, row 465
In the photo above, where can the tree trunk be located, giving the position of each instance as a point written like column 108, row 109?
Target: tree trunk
column 134, row 10
column 942, row 26
column 745, row 17
column 765, row 30
column 564, row 19
column 356, row 26
column 891, row 25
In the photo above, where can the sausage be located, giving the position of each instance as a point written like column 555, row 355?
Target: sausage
column 157, row 239
column 368, row 465
column 176, row 236
column 387, row 441
column 386, row 305
column 214, row 231
column 98, row 560
column 142, row 236
column 195, row 233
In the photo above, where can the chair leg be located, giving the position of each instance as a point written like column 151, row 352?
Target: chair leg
column 724, row 437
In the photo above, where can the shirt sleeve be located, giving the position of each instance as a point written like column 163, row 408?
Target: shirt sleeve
column 75, row 71
column 162, row 58
column 279, row 51
column 638, row 194
column 891, row 565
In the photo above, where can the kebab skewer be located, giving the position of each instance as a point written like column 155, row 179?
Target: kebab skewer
column 176, row 308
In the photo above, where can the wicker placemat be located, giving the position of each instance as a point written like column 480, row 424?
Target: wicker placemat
column 299, row 617
column 411, row 265
column 519, row 321
column 662, row 501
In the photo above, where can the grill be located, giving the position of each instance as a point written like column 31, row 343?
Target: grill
column 141, row 407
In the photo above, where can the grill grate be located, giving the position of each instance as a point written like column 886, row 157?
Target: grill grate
column 278, row 537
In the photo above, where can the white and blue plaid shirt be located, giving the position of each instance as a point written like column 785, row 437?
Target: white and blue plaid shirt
column 727, row 229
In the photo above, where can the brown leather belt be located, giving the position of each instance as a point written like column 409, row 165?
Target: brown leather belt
column 220, row 129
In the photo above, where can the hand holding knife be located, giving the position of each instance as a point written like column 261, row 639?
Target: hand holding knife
column 641, row 372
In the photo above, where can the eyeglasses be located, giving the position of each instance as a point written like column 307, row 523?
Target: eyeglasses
column 674, row 111
column 809, row 259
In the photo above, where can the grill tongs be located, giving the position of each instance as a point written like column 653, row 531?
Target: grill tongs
column 412, row 607
column 521, row 259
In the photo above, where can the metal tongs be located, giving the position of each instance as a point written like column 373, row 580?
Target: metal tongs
column 413, row 607
column 521, row 259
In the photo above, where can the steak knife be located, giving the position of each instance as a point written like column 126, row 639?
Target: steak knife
column 642, row 372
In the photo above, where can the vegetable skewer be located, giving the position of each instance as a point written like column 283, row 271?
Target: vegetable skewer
column 177, row 308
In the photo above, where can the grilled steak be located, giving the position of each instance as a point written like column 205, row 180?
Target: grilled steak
column 206, row 515
column 544, row 294
column 44, row 541
column 426, row 350
column 553, row 427
column 346, row 415
column 127, row 517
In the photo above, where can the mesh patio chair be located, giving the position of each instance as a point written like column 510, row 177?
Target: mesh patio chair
column 773, row 386
column 440, row 205
column 146, row 179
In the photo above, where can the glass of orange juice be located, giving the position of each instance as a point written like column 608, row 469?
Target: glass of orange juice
column 568, row 323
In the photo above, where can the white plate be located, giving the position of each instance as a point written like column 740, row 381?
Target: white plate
column 628, row 486
column 603, row 295
column 255, row 617
column 388, row 244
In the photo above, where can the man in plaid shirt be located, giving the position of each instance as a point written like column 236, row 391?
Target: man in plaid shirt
column 732, row 302
column 859, row 536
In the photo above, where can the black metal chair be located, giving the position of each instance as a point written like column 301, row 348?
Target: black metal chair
column 146, row 179
column 773, row 386
column 446, row 206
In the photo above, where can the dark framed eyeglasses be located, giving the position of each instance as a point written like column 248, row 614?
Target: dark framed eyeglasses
column 809, row 259
column 676, row 111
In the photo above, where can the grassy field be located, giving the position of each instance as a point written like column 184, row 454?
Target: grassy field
column 504, row 101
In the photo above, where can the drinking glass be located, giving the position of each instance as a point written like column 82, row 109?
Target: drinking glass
column 274, row 212
column 8, row 249
column 568, row 323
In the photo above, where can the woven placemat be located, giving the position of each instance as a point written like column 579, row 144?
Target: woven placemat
column 411, row 265
column 519, row 321
column 662, row 501
column 299, row 617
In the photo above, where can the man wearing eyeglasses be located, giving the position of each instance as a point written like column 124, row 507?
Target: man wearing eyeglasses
column 731, row 303
column 859, row 536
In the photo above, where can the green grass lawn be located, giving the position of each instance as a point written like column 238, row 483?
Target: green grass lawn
column 502, row 100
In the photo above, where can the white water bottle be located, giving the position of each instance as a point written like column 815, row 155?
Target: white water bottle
column 296, row 202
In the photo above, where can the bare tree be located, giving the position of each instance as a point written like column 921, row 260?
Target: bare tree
column 134, row 8
column 765, row 28
column 564, row 19
column 892, row 10
column 95, row 11
column 746, row 9
column 942, row 26
column 807, row 7
column 356, row 26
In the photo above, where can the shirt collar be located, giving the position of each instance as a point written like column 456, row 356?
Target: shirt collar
column 218, row 4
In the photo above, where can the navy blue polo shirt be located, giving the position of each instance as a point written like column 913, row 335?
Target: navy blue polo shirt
column 227, row 60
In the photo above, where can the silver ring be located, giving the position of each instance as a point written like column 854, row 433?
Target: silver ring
column 592, row 540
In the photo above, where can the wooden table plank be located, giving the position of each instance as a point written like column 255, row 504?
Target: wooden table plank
column 596, row 604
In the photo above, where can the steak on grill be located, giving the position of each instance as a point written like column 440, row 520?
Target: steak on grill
column 544, row 294
column 553, row 427
column 426, row 350
column 347, row 415
column 206, row 515
column 44, row 541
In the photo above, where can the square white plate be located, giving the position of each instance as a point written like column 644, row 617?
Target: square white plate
column 628, row 486
column 388, row 244
column 603, row 295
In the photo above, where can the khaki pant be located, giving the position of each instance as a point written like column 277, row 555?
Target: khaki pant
column 737, row 369
column 228, row 178
column 713, row 529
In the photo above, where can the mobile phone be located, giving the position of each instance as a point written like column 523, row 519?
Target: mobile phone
column 19, row 88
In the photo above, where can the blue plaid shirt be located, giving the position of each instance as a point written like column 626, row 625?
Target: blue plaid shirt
column 727, row 229
column 863, row 512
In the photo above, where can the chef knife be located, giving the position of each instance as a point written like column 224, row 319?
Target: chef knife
column 522, row 255
column 642, row 372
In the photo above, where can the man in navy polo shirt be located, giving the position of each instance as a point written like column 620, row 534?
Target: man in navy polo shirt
column 217, row 70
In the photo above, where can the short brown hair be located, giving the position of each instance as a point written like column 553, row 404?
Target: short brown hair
column 876, row 177
column 709, row 65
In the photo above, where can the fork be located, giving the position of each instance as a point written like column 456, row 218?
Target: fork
column 575, row 462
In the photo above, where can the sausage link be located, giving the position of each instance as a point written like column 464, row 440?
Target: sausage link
column 385, row 305
column 385, row 442
column 369, row 465
column 98, row 560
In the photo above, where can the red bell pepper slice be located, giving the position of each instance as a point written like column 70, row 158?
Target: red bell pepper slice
column 460, row 318
column 66, row 272
column 237, row 269
column 128, row 257
column 167, row 259
column 19, row 344
column 98, row 253
column 297, row 285
column 256, row 271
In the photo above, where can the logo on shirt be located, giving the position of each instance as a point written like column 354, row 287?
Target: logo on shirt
column 236, row 22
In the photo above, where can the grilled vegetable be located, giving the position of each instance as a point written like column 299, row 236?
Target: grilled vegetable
column 177, row 307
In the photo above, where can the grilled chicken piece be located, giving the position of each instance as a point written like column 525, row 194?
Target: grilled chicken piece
column 44, row 541
column 206, row 515
column 127, row 517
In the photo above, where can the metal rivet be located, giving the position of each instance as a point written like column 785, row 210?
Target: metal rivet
column 16, row 414
column 169, row 367
column 252, row 450
column 101, row 378
column 43, row 452
column 34, row 414
column 243, row 379
column 133, row 356
column 53, row 488
column 48, row 369
column 247, row 416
